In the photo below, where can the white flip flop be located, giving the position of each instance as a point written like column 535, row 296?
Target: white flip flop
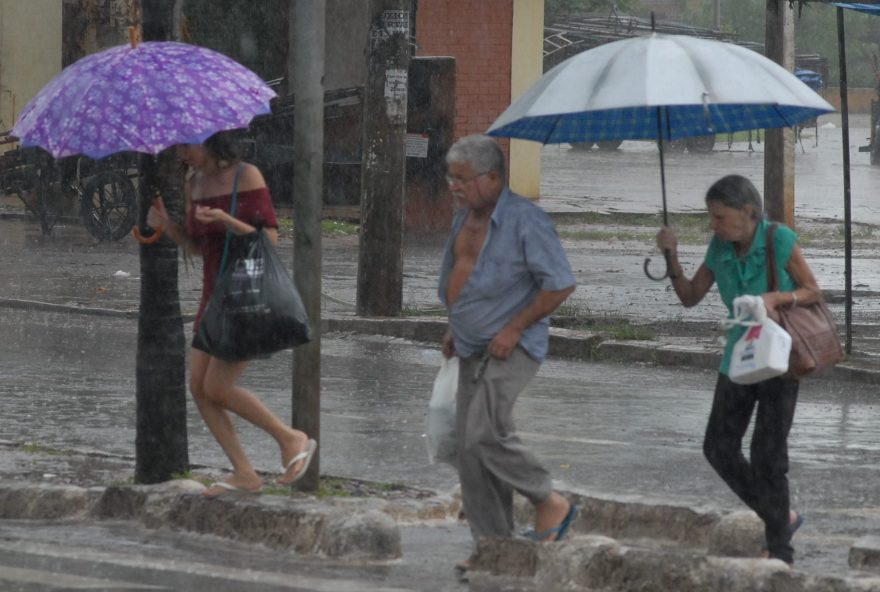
column 306, row 455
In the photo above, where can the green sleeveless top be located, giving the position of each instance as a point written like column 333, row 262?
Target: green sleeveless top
column 736, row 276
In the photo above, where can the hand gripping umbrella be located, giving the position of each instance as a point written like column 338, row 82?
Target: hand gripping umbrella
column 658, row 87
column 143, row 98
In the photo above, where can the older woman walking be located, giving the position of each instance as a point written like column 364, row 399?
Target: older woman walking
column 737, row 261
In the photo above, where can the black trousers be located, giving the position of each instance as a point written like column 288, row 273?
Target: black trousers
column 761, row 482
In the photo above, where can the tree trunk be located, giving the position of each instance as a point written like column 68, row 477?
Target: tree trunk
column 779, row 142
column 161, row 439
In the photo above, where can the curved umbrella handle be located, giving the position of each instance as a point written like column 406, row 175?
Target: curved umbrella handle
column 149, row 240
column 668, row 257
column 146, row 240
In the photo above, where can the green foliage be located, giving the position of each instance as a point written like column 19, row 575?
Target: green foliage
column 332, row 487
column 815, row 33
column 329, row 227
column 572, row 308
column 37, row 448
column 203, row 479
column 554, row 9
column 623, row 331
column 338, row 227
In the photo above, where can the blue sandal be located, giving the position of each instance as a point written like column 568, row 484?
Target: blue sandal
column 792, row 528
column 559, row 531
column 798, row 522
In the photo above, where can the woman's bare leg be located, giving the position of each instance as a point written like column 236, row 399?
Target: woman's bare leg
column 220, row 423
column 218, row 395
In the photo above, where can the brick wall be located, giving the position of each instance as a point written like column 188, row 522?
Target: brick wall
column 477, row 33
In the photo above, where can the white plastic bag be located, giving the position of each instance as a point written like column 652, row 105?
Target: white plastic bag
column 763, row 350
column 440, row 423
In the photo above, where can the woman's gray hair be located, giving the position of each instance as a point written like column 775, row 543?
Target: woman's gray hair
column 737, row 192
column 481, row 152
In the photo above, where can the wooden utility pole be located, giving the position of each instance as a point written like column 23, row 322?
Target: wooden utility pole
column 307, row 63
column 779, row 142
column 383, row 164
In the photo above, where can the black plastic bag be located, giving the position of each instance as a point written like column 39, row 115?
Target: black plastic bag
column 255, row 309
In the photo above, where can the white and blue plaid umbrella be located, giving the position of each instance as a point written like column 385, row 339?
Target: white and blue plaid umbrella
column 658, row 87
column 674, row 85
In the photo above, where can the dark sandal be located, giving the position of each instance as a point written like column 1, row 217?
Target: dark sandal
column 792, row 528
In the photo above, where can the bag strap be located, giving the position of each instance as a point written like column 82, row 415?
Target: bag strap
column 772, row 282
column 232, row 209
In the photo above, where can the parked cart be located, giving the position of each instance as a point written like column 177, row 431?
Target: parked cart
column 102, row 191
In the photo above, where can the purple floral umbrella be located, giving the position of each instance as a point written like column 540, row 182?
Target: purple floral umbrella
column 142, row 98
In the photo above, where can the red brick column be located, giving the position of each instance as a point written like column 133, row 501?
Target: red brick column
column 478, row 34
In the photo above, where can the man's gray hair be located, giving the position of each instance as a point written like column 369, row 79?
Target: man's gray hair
column 481, row 152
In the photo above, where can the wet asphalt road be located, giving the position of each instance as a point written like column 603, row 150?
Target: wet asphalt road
column 116, row 556
column 604, row 429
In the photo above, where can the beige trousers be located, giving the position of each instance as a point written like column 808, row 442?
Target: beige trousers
column 492, row 460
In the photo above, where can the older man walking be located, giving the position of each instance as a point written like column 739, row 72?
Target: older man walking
column 504, row 272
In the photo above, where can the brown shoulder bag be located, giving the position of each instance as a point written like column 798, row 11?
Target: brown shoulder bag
column 815, row 345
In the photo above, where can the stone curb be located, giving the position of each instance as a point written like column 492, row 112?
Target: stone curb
column 590, row 563
column 584, row 345
column 613, row 544
column 640, row 545
column 655, row 520
column 629, row 520
column 865, row 553
column 306, row 526
column 566, row 343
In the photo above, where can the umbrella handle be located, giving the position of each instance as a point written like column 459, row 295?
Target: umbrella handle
column 149, row 240
column 667, row 254
column 146, row 240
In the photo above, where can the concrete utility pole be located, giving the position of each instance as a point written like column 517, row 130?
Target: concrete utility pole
column 307, row 62
column 847, row 193
column 779, row 142
column 383, row 164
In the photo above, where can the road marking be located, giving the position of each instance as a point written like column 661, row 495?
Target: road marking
column 48, row 579
column 290, row 581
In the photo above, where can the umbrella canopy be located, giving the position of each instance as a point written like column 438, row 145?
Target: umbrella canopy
column 660, row 87
column 144, row 98
column 670, row 85
column 865, row 7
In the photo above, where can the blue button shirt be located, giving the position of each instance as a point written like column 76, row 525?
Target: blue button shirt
column 521, row 256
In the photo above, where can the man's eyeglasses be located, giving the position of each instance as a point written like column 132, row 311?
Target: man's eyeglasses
column 459, row 181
